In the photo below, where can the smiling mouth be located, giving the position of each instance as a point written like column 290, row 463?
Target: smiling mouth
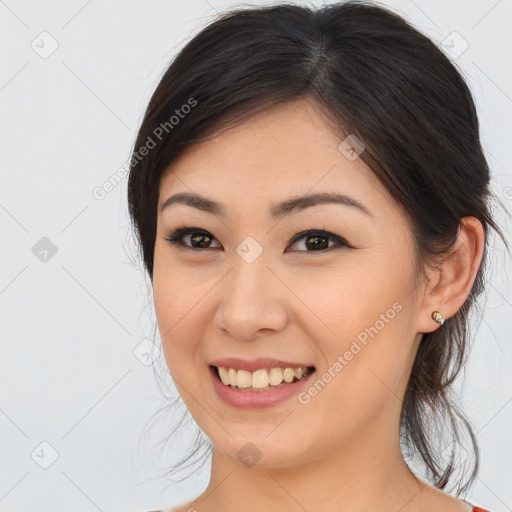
column 264, row 379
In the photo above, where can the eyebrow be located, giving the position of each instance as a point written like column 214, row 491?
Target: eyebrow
column 277, row 211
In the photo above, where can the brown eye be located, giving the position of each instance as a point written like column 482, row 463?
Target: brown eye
column 317, row 241
column 198, row 239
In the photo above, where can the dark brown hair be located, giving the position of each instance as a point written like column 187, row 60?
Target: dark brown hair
column 371, row 74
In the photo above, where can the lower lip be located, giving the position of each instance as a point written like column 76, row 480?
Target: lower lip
column 255, row 399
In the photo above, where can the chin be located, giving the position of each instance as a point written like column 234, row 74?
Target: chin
column 255, row 447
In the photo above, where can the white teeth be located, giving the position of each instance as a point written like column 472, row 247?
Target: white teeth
column 299, row 372
column 260, row 379
column 232, row 376
column 243, row 379
column 275, row 376
column 223, row 374
column 288, row 374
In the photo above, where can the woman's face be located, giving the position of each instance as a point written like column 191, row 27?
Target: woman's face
column 243, row 288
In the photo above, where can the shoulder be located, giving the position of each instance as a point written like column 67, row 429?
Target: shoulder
column 475, row 508
column 176, row 509
column 179, row 508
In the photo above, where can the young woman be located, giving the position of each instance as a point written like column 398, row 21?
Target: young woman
column 312, row 204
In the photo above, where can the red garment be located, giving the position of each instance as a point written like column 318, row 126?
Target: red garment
column 475, row 509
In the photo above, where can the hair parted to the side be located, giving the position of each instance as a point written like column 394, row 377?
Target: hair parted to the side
column 371, row 74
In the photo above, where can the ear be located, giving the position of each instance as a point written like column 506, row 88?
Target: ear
column 450, row 285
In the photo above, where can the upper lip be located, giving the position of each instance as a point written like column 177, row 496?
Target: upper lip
column 256, row 364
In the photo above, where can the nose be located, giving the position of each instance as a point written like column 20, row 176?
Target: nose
column 253, row 301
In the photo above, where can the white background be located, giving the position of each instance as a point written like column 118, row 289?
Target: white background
column 69, row 376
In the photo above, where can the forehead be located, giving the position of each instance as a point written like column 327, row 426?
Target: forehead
column 286, row 150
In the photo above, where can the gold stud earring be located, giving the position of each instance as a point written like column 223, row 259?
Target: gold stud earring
column 438, row 317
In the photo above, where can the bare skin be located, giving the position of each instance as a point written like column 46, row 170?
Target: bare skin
column 341, row 450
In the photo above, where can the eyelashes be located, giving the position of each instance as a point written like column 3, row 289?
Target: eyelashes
column 176, row 237
column 315, row 238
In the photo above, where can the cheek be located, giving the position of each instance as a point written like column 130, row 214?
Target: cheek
column 177, row 301
column 179, row 308
column 368, row 342
column 361, row 381
column 176, row 290
column 351, row 300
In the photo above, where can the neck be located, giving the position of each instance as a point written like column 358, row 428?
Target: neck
column 366, row 473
